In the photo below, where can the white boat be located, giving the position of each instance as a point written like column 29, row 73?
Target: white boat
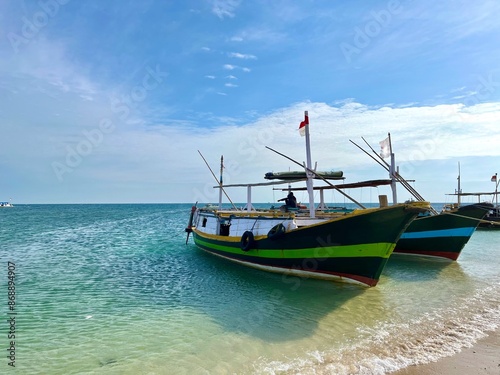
column 6, row 204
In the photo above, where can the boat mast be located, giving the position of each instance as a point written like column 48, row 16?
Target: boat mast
column 496, row 189
column 459, row 191
column 392, row 172
column 220, row 181
column 309, row 174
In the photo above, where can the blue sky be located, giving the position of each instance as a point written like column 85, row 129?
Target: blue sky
column 109, row 101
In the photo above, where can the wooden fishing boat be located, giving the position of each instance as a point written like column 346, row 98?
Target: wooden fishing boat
column 349, row 246
column 436, row 234
column 443, row 235
column 491, row 219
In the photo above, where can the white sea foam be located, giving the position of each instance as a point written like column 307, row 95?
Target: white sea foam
column 391, row 346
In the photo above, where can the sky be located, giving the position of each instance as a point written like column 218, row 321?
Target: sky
column 114, row 101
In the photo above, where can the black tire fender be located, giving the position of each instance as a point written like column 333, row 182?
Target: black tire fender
column 247, row 241
column 276, row 232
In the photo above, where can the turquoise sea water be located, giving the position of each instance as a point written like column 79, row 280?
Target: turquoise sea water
column 113, row 289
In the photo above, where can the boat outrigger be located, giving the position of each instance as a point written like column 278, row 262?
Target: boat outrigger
column 351, row 246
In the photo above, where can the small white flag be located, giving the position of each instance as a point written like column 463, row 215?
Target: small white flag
column 385, row 148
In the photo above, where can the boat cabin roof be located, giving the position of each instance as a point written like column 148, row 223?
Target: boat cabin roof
column 261, row 183
column 473, row 194
column 360, row 184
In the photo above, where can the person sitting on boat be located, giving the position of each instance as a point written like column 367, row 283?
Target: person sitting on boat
column 290, row 200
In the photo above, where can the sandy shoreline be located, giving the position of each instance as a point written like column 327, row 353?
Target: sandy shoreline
column 483, row 359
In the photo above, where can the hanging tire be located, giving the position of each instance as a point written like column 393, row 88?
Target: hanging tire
column 276, row 232
column 247, row 241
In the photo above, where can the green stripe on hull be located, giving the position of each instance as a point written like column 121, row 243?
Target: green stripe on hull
column 363, row 269
column 382, row 250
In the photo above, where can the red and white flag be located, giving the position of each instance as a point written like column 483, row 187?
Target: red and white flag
column 302, row 126
column 494, row 178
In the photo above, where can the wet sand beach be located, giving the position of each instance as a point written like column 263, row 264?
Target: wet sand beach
column 482, row 359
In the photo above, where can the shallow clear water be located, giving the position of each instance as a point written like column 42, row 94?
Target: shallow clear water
column 113, row 289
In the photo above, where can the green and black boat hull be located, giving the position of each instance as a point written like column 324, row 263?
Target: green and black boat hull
column 492, row 218
column 352, row 247
column 443, row 235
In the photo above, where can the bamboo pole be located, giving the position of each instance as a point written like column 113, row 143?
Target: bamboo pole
column 318, row 175
column 218, row 182
column 398, row 177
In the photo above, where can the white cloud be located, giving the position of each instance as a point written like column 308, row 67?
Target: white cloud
column 420, row 135
column 242, row 56
column 261, row 33
column 234, row 67
column 45, row 62
column 224, row 8
column 143, row 152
